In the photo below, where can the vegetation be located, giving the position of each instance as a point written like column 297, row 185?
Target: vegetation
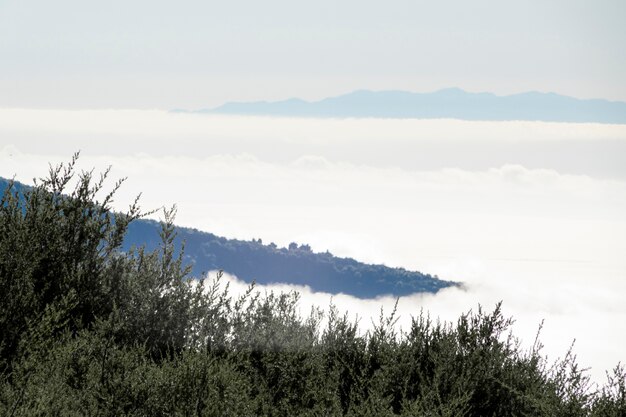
column 296, row 264
column 267, row 263
column 89, row 329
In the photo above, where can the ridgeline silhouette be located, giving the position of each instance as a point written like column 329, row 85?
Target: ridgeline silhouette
column 450, row 103
column 296, row 264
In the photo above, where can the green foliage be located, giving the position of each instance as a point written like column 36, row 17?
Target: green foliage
column 52, row 245
column 87, row 329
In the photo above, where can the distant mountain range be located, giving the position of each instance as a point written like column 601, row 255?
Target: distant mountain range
column 297, row 264
column 451, row 103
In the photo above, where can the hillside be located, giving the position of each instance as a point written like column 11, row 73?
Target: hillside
column 451, row 103
column 253, row 260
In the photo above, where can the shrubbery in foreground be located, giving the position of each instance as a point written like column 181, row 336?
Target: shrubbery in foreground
column 86, row 329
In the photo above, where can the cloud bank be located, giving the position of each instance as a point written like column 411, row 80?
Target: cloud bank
column 525, row 212
column 574, row 148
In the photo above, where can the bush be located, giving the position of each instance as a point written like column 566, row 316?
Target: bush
column 87, row 329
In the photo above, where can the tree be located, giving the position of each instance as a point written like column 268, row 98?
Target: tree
column 55, row 242
column 87, row 329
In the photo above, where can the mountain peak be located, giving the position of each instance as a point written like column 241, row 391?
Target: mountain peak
column 451, row 90
column 449, row 103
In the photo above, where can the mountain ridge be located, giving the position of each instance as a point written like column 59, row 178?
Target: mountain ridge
column 269, row 264
column 453, row 103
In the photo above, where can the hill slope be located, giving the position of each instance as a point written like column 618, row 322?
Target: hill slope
column 448, row 103
column 252, row 260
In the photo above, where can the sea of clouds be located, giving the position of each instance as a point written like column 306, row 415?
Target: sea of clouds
column 528, row 213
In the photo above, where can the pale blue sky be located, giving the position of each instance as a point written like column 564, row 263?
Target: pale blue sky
column 191, row 54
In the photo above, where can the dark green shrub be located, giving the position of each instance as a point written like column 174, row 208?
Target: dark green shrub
column 86, row 329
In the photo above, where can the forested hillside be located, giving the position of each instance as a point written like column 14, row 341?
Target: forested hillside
column 87, row 328
column 267, row 263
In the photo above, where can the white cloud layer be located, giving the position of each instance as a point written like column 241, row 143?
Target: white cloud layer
column 576, row 148
column 545, row 238
column 159, row 123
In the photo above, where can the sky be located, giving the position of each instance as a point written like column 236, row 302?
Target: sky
column 197, row 54
column 528, row 213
